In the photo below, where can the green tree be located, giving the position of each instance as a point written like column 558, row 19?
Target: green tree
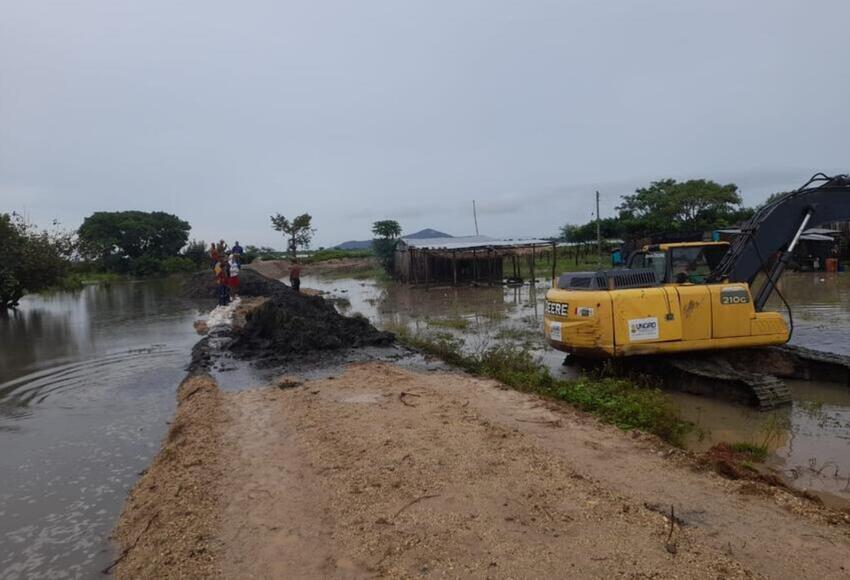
column 387, row 233
column 298, row 232
column 132, row 240
column 197, row 252
column 668, row 205
column 773, row 197
column 30, row 260
column 609, row 228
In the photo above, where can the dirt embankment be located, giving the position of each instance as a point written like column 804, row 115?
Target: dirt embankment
column 388, row 472
column 170, row 526
column 342, row 266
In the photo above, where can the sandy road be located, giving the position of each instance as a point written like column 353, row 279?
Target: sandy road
column 388, row 472
column 349, row 478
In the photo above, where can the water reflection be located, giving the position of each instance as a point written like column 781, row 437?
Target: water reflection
column 87, row 384
column 820, row 304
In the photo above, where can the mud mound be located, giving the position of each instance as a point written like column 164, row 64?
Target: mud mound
column 289, row 323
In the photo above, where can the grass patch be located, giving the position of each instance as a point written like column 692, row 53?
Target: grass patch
column 455, row 322
column 517, row 334
column 493, row 315
column 620, row 402
column 566, row 262
column 76, row 280
column 333, row 254
column 752, row 450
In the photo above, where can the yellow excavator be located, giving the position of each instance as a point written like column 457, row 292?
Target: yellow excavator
column 693, row 296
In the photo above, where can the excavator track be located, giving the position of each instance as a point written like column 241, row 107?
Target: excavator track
column 751, row 376
column 757, row 389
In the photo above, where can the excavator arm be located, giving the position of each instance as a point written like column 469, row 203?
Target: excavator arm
column 777, row 227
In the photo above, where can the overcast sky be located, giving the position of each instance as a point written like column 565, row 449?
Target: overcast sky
column 226, row 112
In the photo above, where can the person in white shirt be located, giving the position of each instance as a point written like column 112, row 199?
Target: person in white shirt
column 233, row 281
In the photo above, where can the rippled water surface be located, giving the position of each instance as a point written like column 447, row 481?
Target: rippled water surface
column 87, row 384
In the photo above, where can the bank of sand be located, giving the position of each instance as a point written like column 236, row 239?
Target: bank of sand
column 384, row 471
column 342, row 266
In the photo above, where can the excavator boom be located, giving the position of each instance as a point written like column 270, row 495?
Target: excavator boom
column 777, row 226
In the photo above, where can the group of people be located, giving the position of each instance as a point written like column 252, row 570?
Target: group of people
column 226, row 263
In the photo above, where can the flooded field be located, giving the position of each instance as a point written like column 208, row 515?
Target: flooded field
column 87, row 382
column 809, row 440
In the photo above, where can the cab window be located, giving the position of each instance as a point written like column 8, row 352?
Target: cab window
column 656, row 260
column 693, row 264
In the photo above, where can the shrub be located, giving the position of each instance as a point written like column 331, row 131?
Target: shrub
column 177, row 264
column 144, row 266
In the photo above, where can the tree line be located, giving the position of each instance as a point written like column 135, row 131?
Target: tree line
column 668, row 206
column 150, row 243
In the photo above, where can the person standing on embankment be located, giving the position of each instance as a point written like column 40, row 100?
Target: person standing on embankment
column 237, row 251
column 214, row 256
column 222, row 275
column 233, row 279
column 295, row 276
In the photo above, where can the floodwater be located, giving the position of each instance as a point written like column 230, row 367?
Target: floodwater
column 87, row 385
column 809, row 440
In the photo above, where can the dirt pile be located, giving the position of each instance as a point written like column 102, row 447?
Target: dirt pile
column 289, row 323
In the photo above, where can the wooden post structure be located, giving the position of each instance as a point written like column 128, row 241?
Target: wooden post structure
column 474, row 266
column 454, row 267
column 533, row 281
column 414, row 264
column 554, row 261
column 490, row 266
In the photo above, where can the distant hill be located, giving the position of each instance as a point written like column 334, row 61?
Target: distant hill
column 354, row 245
column 425, row 234
column 366, row 244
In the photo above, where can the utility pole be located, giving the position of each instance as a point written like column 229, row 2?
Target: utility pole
column 475, row 217
column 598, row 232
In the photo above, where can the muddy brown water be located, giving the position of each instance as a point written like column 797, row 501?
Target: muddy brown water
column 809, row 440
column 87, row 382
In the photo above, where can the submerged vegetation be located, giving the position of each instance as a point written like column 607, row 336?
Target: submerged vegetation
column 455, row 322
column 754, row 451
column 621, row 402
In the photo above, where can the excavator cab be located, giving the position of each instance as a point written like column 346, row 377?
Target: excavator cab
column 682, row 263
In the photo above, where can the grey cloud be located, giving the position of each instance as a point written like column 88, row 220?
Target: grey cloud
column 225, row 113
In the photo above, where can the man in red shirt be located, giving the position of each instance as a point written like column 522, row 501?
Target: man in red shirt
column 222, row 275
column 295, row 276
